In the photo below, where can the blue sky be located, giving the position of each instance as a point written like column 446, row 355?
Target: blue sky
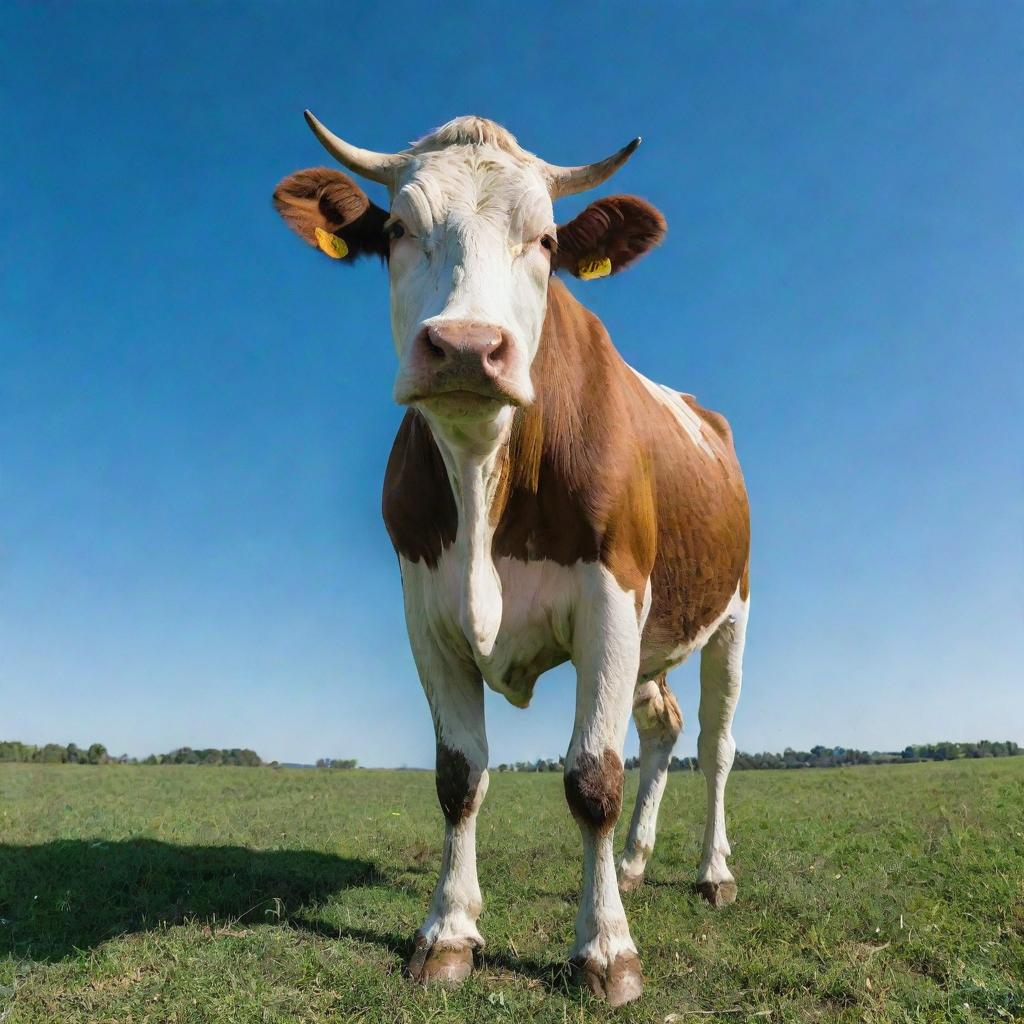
column 195, row 408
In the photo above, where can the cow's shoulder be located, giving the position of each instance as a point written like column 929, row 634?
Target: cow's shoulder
column 418, row 505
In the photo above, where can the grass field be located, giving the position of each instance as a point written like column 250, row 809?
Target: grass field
column 237, row 895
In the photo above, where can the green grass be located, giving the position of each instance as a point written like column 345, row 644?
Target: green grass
column 237, row 895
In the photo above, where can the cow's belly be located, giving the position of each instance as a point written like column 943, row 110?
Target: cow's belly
column 667, row 642
column 537, row 599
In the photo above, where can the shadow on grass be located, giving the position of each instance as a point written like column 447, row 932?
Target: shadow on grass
column 68, row 895
column 73, row 894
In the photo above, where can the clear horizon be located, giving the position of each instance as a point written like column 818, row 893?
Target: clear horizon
column 195, row 409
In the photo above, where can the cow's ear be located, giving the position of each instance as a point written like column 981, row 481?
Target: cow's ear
column 608, row 236
column 330, row 211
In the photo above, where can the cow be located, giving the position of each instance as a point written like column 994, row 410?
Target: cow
column 547, row 503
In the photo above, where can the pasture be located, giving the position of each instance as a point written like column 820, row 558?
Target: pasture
column 235, row 895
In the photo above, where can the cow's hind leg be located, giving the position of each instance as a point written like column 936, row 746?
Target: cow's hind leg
column 658, row 723
column 445, row 942
column 721, row 669
column 606, row 651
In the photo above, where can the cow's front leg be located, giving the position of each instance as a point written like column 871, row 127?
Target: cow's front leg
column 606, row 651
column 446, row 940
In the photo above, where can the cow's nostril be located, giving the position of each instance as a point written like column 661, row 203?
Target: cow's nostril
column 495, row 357
column 433, row 347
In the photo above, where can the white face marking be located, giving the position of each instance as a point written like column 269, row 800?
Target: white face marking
column 685, row 416
column 474, row 220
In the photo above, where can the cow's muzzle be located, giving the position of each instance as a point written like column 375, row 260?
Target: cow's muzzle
column 462, row 365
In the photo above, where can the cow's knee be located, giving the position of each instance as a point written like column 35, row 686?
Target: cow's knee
column 593, row 789
column 656, row 712
column 460, row 785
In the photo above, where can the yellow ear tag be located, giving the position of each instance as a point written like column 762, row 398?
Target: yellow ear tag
column 334, row 246
column 589, row 269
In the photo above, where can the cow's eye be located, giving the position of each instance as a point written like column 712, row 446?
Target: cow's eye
column 396, row 230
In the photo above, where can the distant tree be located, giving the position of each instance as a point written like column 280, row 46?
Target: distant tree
column 14, row 750
column 337, row 762
column 52, row 753
column 97, row 754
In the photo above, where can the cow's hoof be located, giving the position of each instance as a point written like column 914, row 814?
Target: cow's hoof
column 630, row 883
column 444, row 963
column 620, row 982
column 718, row 894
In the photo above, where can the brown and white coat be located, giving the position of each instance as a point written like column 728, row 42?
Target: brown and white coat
column 547, row 503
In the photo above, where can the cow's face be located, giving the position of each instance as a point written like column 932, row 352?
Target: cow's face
column 471, row 234
column 470, row 242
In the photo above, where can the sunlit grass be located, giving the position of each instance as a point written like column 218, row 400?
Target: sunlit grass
column 235, row 895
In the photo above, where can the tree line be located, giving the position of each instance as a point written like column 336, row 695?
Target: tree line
column 816, row 757
column 96, row 753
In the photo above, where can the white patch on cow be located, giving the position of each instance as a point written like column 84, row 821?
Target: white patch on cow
column 455, row 694
column 691, row 423
column 535, row 630
column 721, row 674
column 471, row 454
column 606, row 652
column 457, row 901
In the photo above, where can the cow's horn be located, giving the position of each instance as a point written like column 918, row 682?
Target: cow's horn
column 567, row 181
column 381, row 167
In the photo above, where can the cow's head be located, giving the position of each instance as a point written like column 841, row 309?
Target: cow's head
column 470, row 242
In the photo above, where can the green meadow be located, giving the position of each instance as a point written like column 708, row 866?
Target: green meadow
column 176, row 894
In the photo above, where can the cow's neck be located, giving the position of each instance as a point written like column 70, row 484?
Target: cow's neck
column 476, row 458
column 495, row 469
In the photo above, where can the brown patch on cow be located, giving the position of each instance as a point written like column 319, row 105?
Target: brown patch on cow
column 580, row 488
column 619, row 228
column 629, row 544
column 322, row 197
column 418, row 506
column 457, row 783
column 593, row 790
column 745, row 582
